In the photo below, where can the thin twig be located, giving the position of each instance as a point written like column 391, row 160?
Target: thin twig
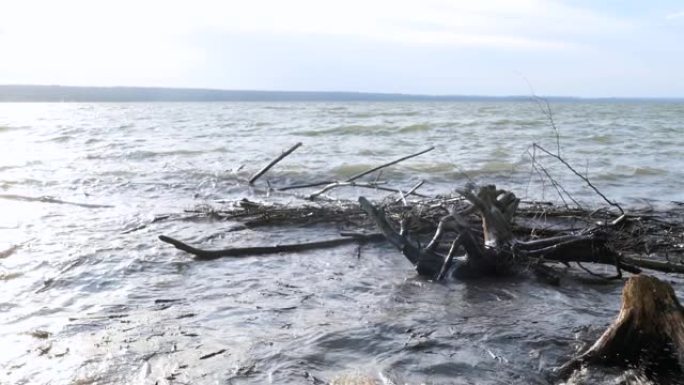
column 539, row 168
column 359, row 175
column 402, row 198
column 376, row 186
column 373, row 185
column 548, row 112
column 305, row 185
column 585, row 179
column 377, row 177
column 545, row 108
column 273, row 163
column 556, row 185
column 409, row 192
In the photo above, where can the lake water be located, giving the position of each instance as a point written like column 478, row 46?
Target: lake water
column 85, row 299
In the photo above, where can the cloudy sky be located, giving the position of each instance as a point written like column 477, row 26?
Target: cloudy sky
column 483, row 47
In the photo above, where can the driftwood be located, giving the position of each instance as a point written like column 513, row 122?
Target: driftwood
column 202, row 254
column 328, row 185
column 629, row 236
column 497, row 251
column 273, row 163
column 374, row 169
column 371, row 185
column 648, row 333
column 485, row 231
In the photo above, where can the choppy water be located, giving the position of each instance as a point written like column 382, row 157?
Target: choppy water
column 120, row 307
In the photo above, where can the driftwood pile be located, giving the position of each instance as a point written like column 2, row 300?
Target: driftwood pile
column 484, row 231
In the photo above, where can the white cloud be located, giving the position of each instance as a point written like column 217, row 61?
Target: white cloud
column 152, row 39
column 675, row 15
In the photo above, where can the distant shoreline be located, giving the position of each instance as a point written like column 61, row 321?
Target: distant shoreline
column 43, row 93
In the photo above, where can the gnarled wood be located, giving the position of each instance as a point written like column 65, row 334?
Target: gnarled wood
column 497, row 208
column 426, row 261
column 497, row 251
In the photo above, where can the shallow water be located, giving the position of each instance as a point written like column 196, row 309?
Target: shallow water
column 118, row 306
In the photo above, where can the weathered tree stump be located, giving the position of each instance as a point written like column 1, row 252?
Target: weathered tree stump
column 647, row 334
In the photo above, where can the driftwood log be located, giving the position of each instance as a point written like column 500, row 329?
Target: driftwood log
column 647, row 334
column 207, row 255
column 496, row 251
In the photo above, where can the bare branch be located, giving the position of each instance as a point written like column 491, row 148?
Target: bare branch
column 305, row 185
column 373, row 185
column 585, row 179
column 359, row 175
column 273, row 163
column 260, row 250
column 409, row 192
column 556, row 185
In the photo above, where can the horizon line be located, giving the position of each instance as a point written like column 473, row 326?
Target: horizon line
column 320, row 94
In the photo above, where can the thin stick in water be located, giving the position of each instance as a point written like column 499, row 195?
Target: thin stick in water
column 273, row 163
column 359, row 175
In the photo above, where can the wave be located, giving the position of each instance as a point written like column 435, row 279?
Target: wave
column 351, row 169
column 434, row 167
column 26, row 164
column 624, row 173
column 403, row 113
column 649, row 171
column 420, row 127
column 346, row 130
column 144, row 154
column 438, row 170
column 48, row 199
column 12, row 128
column 60, row 138
column 359, row 129
column 516, row 122
column 601, row 138
column 398, row 114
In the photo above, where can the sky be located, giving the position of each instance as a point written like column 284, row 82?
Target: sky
column 583, row 48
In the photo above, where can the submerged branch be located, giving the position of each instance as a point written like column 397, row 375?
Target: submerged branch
column 202, row 254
